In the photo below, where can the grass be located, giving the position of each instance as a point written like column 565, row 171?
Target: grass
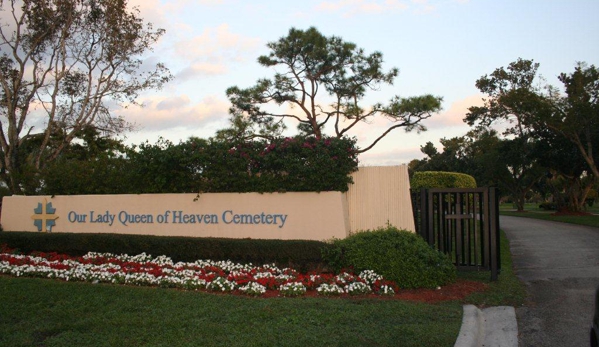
column 533, row 211
column 508, row 290
column 38, row 312
column 52, row 313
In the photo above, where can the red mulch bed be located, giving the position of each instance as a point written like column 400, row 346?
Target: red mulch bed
column 455, row 291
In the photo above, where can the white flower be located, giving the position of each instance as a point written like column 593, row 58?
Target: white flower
column 357, row 288
column 221, row 284
column 292, row 289
column 370, row 276
column 253, row 288
column 145, row 270
column 329, row 289
column 386, row 290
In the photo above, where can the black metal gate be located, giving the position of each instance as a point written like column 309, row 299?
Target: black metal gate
column 463, row 223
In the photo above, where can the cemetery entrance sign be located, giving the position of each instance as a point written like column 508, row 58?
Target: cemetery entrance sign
column 380, row 196
column 237, row 215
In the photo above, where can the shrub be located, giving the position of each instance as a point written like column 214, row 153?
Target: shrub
column 398, row 255
column 304, row 255
column 440, row 179
column 591, row 197
column 296, row 164
column 548, row 206
column 292, row 164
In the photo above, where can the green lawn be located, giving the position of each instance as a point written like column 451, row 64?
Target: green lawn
column 38, row 312
column 506, row 291
column 53, row 313
column 533, row 211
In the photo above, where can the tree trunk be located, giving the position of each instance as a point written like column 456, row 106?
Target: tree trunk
column 520, row 201
column 576, row 194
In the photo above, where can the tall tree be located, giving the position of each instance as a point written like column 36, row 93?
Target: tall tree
column 322, row 81
column 575, row 115
column 471, row 154
column 567, row 177
column 519, row 169
column 540, row 113
column 63, row 66
column 452, row 158
column 93, row 164
column 477, row 153
column 512, row 97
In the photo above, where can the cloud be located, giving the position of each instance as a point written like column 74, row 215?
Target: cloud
column 152, row 11
column 172, row 103
column 456, row 113
column 200, row 70
column 350, row 8
column 166, row 113
column 212, row 52
column 191, row 54
column 218, row 44
column 389, row 156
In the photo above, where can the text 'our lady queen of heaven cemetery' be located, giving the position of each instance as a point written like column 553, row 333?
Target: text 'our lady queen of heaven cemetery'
column 178, row 217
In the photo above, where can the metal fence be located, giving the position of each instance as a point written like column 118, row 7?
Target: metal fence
column 463, row 223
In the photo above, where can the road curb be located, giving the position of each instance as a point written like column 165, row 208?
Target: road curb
column 490, row 327
column 472, row 331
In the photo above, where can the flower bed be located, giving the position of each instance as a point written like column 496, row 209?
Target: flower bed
column 205, row 275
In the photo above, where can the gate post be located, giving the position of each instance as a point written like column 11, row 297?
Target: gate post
column 494, row 233
column 424, row 230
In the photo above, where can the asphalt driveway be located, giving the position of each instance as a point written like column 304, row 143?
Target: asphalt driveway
column 560, row 265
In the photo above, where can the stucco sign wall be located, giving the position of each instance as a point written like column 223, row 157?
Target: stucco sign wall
column 308, row 216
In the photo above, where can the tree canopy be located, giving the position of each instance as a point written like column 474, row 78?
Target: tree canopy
column 198, row 165
column 558, row 128
column 511, row 96
column 64, row 66
column 575, row 115
column 320, row 83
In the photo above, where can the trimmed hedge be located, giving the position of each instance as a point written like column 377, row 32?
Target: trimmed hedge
column 441, row 179
column 298, row 164
column 286, row 164
column 398, row 255
column 303, row 255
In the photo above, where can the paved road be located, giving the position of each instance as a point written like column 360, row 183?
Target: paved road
column 560, row 265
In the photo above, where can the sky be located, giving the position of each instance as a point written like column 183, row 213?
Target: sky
column 441, row 47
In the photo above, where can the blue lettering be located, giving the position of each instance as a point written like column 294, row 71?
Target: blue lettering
column 210, row 219
column 232, row 218
column 74, row 217
column 228, row 212
column 180, row 217
column 177, row 216
column 123, row 218
column 126, row 218
column 103, row 218
column 283, row 219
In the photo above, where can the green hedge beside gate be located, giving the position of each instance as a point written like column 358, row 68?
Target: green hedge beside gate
column 441, row 179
